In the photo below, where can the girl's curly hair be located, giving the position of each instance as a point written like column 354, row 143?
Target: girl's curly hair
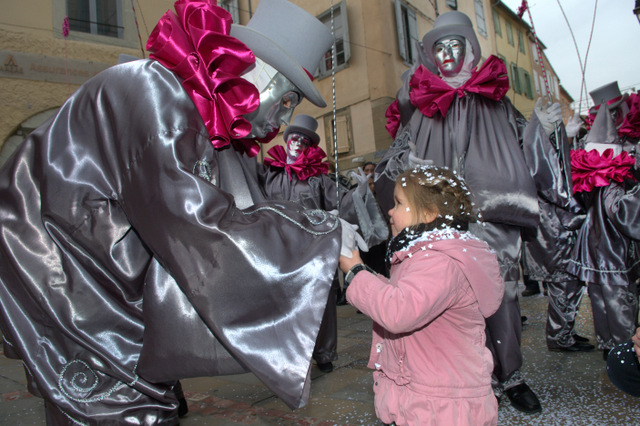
column 437, row 190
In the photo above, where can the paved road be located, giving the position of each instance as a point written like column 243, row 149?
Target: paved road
column 573, row 387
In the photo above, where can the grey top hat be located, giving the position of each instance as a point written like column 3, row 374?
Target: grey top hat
column 450, row 24
column 289, row 39
column 610, row 92
column 305, row 124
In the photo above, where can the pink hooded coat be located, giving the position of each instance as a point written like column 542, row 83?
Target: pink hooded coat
column 428, row 348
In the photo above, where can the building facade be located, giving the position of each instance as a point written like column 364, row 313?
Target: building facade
column 376, row 41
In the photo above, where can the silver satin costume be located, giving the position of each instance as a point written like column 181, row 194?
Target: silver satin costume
column 606, row 256
column 503, row 160
column 547, row 249
column 126, row 264
column 319, row 192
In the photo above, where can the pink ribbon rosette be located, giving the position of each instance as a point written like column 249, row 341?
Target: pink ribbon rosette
column 195, row 44
column 591, row 170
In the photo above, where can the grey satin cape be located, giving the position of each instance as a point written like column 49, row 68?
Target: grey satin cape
column 124, row 262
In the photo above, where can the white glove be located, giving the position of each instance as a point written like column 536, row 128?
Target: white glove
column 414, row 160
column 363, row 181
column 351, row 239
column 548, row 115
column 573, row 125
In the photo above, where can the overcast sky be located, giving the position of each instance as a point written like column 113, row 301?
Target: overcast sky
column 614, row 53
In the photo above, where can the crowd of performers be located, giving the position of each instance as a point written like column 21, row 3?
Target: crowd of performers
column 143, row 243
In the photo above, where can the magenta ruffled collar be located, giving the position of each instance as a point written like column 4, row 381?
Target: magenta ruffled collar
column 195, row 44
column 309, row 163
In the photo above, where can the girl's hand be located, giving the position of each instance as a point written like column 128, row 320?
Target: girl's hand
column 347, row 263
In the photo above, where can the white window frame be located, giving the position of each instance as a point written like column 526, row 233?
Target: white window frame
column 481, row 22
column 127, row 25
column 509, row 30
column 93, row 18
column 407, row 28
column 341, row 36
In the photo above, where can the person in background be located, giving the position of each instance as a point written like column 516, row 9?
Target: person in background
column 606, row 254
column 428, row 349
column 456, row 115
column 133, row 253
column 369, row 168
column 298, row 173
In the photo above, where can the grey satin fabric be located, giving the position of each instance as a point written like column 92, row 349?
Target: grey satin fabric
column 504, row 333
column 488, row 157
column 607, row 257
column 564, row 300
column 606, row 250
column 319, row 192
column 547, row 249
column 111, row 213
column 615, row 313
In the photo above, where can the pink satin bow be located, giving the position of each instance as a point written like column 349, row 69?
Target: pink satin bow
column 591, row 170
column 309, row 163
column 430, row 93
column 195, row 44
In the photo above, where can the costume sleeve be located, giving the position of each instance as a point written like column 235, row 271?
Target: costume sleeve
column 258, row 278
column 549, row 162
column 623, row 209
column 425, row 290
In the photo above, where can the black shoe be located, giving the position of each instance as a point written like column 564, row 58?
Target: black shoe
column 523, row 399
column 605, row 354
column 325, row 367
column 342, row 300
column 523, row 319
column 576, row 347
column 579, row 338
column 528, row 292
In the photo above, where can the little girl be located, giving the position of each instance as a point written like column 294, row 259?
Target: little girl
column 428, row 349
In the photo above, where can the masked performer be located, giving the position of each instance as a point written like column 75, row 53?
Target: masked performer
column 606, row 254
column 297, row 173
column 455, row 116
column 126, row 262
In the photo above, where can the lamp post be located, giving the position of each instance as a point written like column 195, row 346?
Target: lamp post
column 636, row 10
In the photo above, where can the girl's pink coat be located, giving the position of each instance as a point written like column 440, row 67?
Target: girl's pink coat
column 428, row 348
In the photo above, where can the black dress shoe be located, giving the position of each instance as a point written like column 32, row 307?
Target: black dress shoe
column 325, row 367
column 576, row 347
column 523, row 399
column 579, row 338
column 605, row 354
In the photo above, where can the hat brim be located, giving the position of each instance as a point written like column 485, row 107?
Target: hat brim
column 430, row 39
column 594, row 109
column 270, row 52
column 315, row 138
